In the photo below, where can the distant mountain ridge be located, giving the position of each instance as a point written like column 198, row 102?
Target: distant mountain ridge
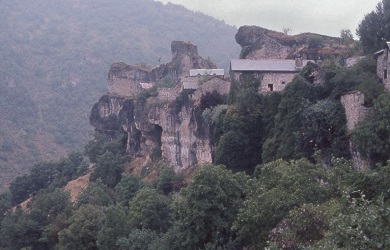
column 53, row 62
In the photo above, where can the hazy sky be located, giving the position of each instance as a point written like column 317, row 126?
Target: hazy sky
column 326, row 17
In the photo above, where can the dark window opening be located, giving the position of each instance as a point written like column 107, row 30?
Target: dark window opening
column 156, row 153
column 385, row 74
column 283, row 82
column 270, row 87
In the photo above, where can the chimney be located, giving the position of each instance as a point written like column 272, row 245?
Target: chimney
column 298, row 63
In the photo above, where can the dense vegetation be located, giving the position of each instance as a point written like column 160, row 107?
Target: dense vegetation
column 284, row 204
column 373, row 30
column 282, row 180
column 54, row 57
column 277, row 188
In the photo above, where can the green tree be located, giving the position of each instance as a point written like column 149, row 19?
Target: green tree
column 374, row 30
column 139, row 239
column 127, row 189
column 50, row 210
column 295, row 97
column 323, row 128
column 234, row 151
column 5, row 204
column 279, row 186
column 108, row 168
column 205, row 210
column 346, row 37
column 18, row 231
column 301, row 228
column 363, row 224
column 114, row 226
column 96, row 194
column 20, row 189
column 372, row 135
column 83, row 229
column 361, row 76
column 150, row 210
column 239, row 140
column 314, row 41
column 168, row 180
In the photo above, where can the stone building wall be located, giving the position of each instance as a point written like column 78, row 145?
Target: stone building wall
column 124, row 80
column 214, row 84
column 169, row 94
column 275, row 81
column 382, row 65
column 355, row 111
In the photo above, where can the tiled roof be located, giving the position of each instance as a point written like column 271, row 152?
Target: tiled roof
column 268, row 65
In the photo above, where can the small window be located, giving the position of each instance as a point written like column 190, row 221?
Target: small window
column 270, row 87
column 283, row 82
column 385, row 74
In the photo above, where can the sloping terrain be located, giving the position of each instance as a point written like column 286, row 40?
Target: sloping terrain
column 54, row 59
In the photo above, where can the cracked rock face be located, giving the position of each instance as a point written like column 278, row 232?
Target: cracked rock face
column 261, row 43
column 169, row 121
column 178, row 132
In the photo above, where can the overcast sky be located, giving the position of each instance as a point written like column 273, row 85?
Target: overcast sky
column 325, row 17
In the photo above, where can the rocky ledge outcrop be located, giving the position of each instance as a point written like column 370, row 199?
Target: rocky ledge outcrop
column 261, row 43
column 124, row 79
column 162, row 122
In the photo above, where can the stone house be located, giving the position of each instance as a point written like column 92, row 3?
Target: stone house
column 273, row 74
column 198, row 76
column 383, row 65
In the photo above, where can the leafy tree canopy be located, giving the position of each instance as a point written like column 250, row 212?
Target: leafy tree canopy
column 374, row 30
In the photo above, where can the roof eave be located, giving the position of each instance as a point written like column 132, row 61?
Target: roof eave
column 379, row 52
column 267, row 71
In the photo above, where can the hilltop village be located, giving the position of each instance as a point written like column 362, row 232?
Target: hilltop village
column 164, row 105
column 284, row 145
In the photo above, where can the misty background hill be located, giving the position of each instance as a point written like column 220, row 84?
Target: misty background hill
column 54, row 59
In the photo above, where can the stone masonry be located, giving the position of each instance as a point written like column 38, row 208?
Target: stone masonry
column 383, row 66
column 169, row 119
column 355, row 111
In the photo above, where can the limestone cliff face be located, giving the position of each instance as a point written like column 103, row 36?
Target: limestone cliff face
column 168, row 121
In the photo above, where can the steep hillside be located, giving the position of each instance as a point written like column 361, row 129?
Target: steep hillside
column 53, row 62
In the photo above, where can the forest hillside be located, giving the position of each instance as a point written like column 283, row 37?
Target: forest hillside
column 54, row 59
column 283, row 172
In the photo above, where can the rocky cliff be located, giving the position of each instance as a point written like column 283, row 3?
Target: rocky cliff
column 261, row 43
column 162, row 121
column 124, row 79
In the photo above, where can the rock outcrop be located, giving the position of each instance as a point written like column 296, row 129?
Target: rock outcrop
column 160, row 121
column 261, row 43
column 125, row 80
